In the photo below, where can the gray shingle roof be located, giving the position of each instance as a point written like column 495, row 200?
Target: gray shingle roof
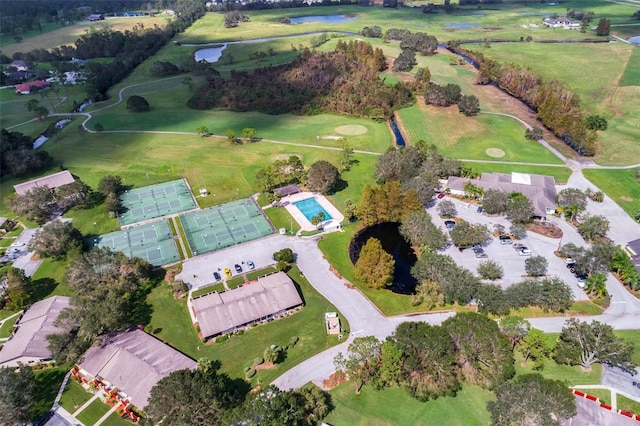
column 220, row 312
column 31, row 338
column 540, row 189
column 52, row 181
column 134, row 362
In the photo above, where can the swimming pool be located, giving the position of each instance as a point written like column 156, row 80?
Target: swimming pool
column 311, row 208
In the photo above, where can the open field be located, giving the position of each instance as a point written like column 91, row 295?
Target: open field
column 170, row 316
column 459, row 136
column 394, row 406
column 613, row 94
column 621, row 185
column 503, row 21
column 56, row 35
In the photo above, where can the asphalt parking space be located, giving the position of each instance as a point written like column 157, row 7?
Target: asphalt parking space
column 511, row 262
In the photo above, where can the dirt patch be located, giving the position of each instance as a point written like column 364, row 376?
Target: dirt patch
column 335, row 138
column 335, row 271
column 335, row 379
column 495, row 152
column 264, row 366
column 627, row 199
column 546, row 229
column 351, row 130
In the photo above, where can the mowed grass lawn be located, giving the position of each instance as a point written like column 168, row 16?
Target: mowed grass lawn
column 92, row 413
column 613, row 94
column 459, row 136
column 619, row 184
column 174, row 326
column 394, row 406
column 74, row 396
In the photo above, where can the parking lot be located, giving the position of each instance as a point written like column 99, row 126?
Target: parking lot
column 511, row 262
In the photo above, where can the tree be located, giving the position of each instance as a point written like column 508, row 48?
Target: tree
column 596, row 285
column 483, row 353
column 495, row 202
column 535, row 346
column 604, row 27
column 534, row 133
column 469, row 105
column 593, row 227
column 346, row 159
column 231, row 136
column 456, row 283
column 361, row 362
column 515, row 328
column 137, row 103
column 536, row 266
column 109, row 184
column 429, row 368
column 202, row 130
column 202, row 397
column 492, row 299
column 572, row 196
column 518, row 230
column 446, row 208
column 249, row 133
column 18, row 289
column 17, row 394
column 375, row 266
column 284, row 255
column 322, row 177
column 36, row 204
column 428, row 293
column 390, row 371
column 273, row 354
column 532, row 399
column 99, row 128
column 490, row 270
column 473, row 191
column 520, row 209
column 584, row 344
column 597, row 122
column 418, row 229
column 55, row 240
column 405, row 60
column 556, row 295
column 466, row 235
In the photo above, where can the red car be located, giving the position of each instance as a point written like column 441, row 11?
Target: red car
column 441, row 195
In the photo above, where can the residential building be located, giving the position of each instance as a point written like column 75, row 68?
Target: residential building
column 32, row 87
column 51, row 181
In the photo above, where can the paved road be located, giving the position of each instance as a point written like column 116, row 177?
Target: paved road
column 621, row 380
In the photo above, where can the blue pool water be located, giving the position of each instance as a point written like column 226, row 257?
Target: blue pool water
column 327, row 19
column 310, row 208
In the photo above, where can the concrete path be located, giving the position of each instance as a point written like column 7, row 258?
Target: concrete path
column 106, row 415
column 86, row 404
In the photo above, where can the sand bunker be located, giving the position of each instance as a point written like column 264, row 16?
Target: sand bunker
column 351, row 130
column 495, row 152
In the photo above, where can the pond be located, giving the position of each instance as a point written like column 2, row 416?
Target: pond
column 461, row 25
column 396, row 132
column 326, row 19
column 210, row 54
column 394, row 244
column 634, row 39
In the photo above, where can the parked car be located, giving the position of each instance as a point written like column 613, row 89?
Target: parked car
column 505, row 239
column 517, row 246
column 582, row 279
column 524, row 251
column 441, row 195
column 250, row 265
column 479, row 252
column 18, row 244
column 227, row 272
column 450, row 224
column 238, row 268
column 569, row 261
column 479, row 209
column 216, row 276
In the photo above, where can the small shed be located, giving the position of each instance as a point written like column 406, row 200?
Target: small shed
column 332, row 322
column 284, row 191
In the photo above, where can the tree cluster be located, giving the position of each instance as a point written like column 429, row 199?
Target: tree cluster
column 111, row 187
column 17, row 395
column 589, row 260
column 466, row 235
column 344, row 81
column 374, row 266
column 106, row 294
column 372, row 32
column 624, row 267
column 419, row 230
column 15, row 289
column 207, row 397
column 432, row 361
column 55, row 240
column 556, row 106
column 233, row 18
column 386, row 203
column 417, row 168
column 451, row 94
column 281, row 172
column 17, row 156
column 322, row 177
column 137, row 103
column 40, row 203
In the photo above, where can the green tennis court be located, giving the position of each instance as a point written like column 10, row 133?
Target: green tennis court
column 152, row 242
column 225, row 225
column 155, row 201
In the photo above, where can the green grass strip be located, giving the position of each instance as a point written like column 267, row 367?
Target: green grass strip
column 7, row 327
column 235, row 282
column 254, row 275
column 183, row 237
column 172, row 226
column 208, row 289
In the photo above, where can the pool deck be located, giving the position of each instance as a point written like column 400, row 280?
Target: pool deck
column 304, row 223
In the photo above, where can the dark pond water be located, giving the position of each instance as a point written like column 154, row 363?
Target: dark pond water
column 393, row 243
column 396, row 132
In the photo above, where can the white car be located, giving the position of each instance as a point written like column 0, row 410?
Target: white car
column 524, row 251
column 18, row 244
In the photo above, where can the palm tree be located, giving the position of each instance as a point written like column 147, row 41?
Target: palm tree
column 597, row 285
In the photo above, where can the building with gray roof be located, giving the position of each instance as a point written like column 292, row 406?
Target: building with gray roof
column 132, row 361
column 53, row 181
column 540, row 189
column 269, row 297
column 29, row 343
